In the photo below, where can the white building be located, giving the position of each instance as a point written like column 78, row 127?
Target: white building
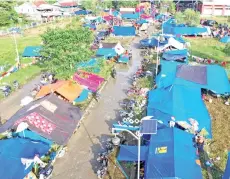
column 26, row 8
column 216, row 7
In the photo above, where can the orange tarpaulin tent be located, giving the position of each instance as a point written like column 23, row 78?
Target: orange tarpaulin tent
column 67, row 89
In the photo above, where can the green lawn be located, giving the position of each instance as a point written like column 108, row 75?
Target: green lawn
column 7, row 50
column 208, row 48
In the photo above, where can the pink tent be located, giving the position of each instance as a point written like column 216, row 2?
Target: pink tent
column 145, row 16
column 92, row 81
column 108, row 18
column 140, row 8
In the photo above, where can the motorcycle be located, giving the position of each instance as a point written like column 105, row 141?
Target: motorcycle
column 46, row 172
column 15, row 84
column 6, row 90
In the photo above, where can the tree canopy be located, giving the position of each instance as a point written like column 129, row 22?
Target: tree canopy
column 8, row 14
column 167, row 6
column 227, row 49
column 63, row 48
column 188, row 17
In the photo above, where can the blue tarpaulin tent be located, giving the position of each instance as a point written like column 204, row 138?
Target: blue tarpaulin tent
column 211, row 77
column 130, row 16
column 91, row 26
column 181, row 102
column 124, row 30
column 107, row 52
column 171, row 155
column 32, row 51
column 82, row 12
column 225, row 39
column 83, row 96
column 170, row 27
column 13, row 150
column 27, row 134
column 123, row 59
column 173, row 55
column 141, row 21
column 130, row 153
column 227, row 168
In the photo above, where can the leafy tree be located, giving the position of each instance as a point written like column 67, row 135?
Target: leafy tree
column 227, row 49
column 127, row 4
column 168, row 6
column 63, row 48
column 8, row 14
column 189, row 17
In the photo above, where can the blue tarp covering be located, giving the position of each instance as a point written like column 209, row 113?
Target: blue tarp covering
column 107, row 52
column 82, row 12
column 153, row 42
column 225, row 39
column 124, row 30
column 171, row 155
column 130, row 153
column 130, row 16
column 129, row 127
column 227, row 168
column 32, row 51
column 142, row 21
column 181, row 102
column 91, row 26
column 175, row 55
column 83, row 96
column 92, row 62
column 123, row 59
column 11, row 152
column 170, row 27
column 217, row 79
column 27, row 134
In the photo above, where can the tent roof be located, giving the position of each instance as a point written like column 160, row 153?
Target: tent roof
column 124, row 31
column 109, row 45
column 13, row 150
column 129, row 153
column 67, row 89
column 225, row 39
column 175, row 54
column 108, row 52
column 216, row 76
column 181, row 102
column 50, row 117
column 227, row 168
column 170, row 151
column 32, row 51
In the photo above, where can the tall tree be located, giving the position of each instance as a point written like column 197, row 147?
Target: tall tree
column 189, row 17
column 8, row 14
column 168, row 6
column 63, row 48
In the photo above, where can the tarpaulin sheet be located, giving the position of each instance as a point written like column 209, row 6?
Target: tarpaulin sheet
column 123, row 59
column 176, row 55
column 217, row 79
column 107, row 52
column 182, row 103
column 227, row 168
column 81, row 12
column 50, row 117
column 225, row 39
column 27, row 134
column 171, row 155
column 130, row 153
column 124, row 31
column 83, row 96
column 32, row 51
column 13, row 150
column 130, row 16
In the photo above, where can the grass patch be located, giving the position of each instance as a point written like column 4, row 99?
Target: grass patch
column 8, row 53
column 208, row 48
column 125, row 41
column 220, row 144
column 23, row 76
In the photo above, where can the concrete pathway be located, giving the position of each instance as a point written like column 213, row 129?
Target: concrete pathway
column 80, row 160
column 11, row 104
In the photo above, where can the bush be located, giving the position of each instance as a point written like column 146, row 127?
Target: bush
column 188, row 17
column 227, row 49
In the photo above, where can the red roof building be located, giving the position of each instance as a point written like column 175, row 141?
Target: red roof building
column 68, row 4
column 39, row 2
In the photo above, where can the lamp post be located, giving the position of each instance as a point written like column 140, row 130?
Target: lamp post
column 138, row 137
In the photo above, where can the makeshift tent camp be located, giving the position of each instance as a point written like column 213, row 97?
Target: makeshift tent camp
column 123, row 59
column 14, row 151
column 91, row 26
column 227, row 168
column 32, row 51
column 171, row 155
column 130, row 153
column 225, row 39
column 176, row 55
column 119, row 49
column 90, row 80
column 83, row 96
column 50, row 117
column 67, row 89
column 211, row 77
column 82, row 12
column 124, row 31
column 172, row 42
column 181, row 102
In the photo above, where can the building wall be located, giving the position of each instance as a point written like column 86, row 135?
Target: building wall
column 216, row 7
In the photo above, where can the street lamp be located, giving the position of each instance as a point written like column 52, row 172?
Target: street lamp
column 138, row 137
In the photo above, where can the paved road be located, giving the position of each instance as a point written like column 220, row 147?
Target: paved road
column 11, row 104
column 79, row 161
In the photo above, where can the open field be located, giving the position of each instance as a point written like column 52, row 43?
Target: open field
column 208, row 48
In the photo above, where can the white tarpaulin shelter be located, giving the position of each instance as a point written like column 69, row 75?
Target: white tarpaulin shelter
column 172, row 42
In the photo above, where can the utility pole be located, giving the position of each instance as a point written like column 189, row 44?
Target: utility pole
column 16, row 48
